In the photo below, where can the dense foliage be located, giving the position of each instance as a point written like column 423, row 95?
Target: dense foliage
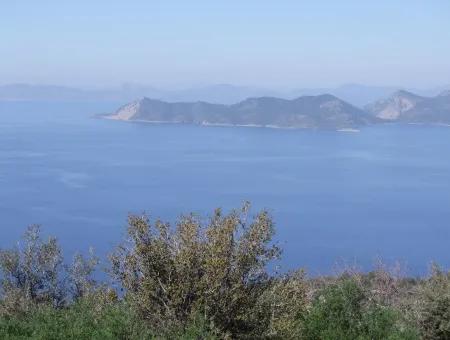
column 208, row 279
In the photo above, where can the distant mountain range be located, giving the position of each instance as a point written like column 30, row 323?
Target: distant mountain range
column 219, row 94
column 319, row 112
column 356, row 94
column 362, row 95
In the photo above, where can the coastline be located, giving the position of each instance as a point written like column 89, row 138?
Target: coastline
column 269, row 126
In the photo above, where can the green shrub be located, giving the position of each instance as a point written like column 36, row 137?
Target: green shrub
column 432, row 305
column 34, row 273
column 341, row 311
column 82, row 320
column 31, row 273
column 216, row 270
column 93, row 319
column 282, row 306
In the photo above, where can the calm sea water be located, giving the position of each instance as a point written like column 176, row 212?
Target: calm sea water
column 336, row 197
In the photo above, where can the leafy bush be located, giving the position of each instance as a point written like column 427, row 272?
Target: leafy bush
column 217, row 270
column 341, row 311
column 31, row 274
column 432, row 305
column 282, row 306
column 34, row 273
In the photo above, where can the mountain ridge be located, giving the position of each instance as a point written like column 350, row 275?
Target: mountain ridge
column 321, row 112
column 356, row 94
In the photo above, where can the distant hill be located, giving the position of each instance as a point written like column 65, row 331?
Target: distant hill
column 406, row 107
column 321, row 112
column 362, row 95
column 393, row 107
column 218, row 94
column 356, row 94
column 26, row 92
column 55, row 93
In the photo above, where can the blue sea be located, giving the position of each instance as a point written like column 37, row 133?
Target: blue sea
column 338, row 198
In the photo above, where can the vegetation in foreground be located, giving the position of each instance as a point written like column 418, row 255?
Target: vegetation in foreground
column 208, row 280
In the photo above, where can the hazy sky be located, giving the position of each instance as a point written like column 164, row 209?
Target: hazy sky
column 291, row 43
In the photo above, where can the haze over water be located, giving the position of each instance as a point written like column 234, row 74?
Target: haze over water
column 335, row 196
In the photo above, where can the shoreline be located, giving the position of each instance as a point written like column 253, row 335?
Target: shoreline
column 270, row 126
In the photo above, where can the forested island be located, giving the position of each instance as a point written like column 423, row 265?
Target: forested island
column 311, row 112
column 208, row 280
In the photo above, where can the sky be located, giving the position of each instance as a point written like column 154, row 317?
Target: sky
column 282, row 43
